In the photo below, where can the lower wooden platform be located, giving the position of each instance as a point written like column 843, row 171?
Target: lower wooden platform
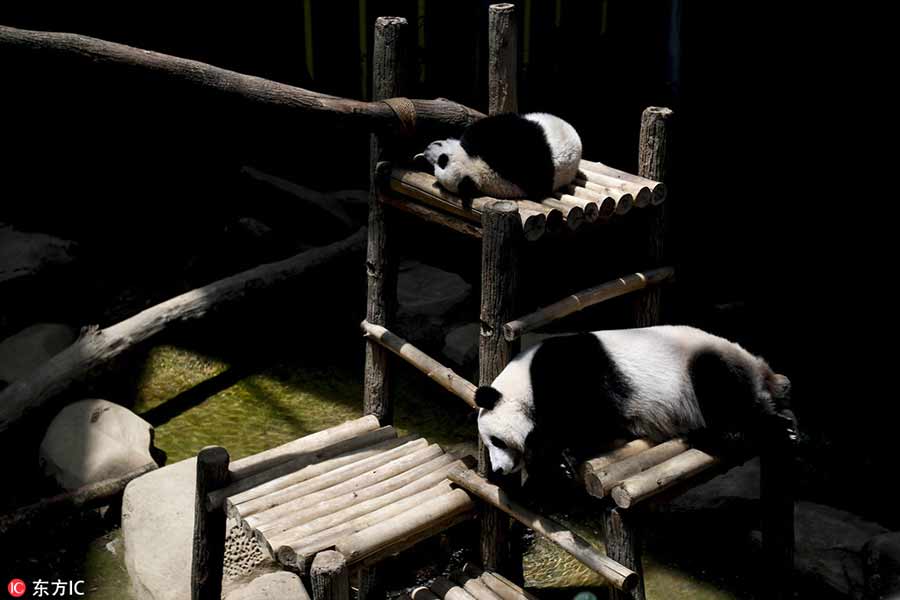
column 470, row 583
column 356, row 488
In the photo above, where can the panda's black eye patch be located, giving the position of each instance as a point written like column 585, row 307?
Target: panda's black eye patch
column 498, row 443
column 443, row 159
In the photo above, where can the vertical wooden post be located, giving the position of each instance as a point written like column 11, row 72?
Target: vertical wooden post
column 381, row 266
column 656, row 131
column 329, row 577
column 502, row 231
column 502, row 59
column 623, row 545
column 370, row 584
column 777, row 500
column 208, row 558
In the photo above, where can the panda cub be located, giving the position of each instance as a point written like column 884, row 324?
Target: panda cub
column 508, row 156
column 571, row 397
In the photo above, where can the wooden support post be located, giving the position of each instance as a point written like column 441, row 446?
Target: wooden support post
column 381, row 265
column 777, row 500
column 502, row 59
column 656, row 130
column 499, row 284
column 623, row 545
column 369, row 584
column 329, row 577
column 208, row 559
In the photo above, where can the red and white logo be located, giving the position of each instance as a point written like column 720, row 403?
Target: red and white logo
column 16, row 588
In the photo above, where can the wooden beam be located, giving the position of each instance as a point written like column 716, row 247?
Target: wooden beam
column 97, row 347
column 583, row 299
column 443, row 376
column 81, row 51
column 617, row 575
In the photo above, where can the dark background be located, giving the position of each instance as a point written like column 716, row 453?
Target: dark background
column 139, row 171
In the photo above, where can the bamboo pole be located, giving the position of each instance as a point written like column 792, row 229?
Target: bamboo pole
column 641, row 193
column 261, row 461
column 269, row 505
column 590, row 469
column 435, row 371
column 606, row 205
column 280, row 518
column 498, row 584
column 583, row 299
column 78, row 51
column 425, row 189
column 657, row 188
column 589, row 208
column 449, row 590
column 425, row 516
column 97, row 347
column 303, row 466
column 656, row 133
column 208, row 547
column 92, row 494
column 329, row 577
column 296, row 547
column 418, row 536
column 477, row 588
column 572, row 213
column 426, row 213
column 617, row 575
column 662, row 476
column 422, row 476
column 381, row 260
column 499, row 288
column 624, row 201
column 606, row 479
column 385, row 440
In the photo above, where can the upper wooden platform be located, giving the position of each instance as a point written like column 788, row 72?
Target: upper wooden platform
column 599, row 194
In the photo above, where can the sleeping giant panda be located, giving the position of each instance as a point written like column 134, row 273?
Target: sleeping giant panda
column 571, row 397
column 508, row 156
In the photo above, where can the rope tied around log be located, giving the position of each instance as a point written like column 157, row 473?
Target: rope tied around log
column 406, row 114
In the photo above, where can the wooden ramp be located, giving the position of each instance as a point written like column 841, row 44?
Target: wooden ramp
column 470, row 583
column 357, row 488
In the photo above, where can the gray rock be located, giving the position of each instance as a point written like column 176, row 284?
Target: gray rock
column 24, row 253
column 92, row 440
column 157, row 527
column 427, row 296
column 272, row 586
column 881, row 566
column 737, row 487
column 28, row 349
column 461, row 343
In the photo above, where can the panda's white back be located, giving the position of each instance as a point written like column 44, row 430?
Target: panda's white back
column 565, row 146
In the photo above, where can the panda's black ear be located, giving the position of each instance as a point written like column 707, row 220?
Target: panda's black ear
column 467, row 187
column 486, row 397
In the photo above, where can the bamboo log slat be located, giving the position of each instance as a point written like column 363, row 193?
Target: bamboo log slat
column 639, row 192
column 433, row 513
column 443, row 376
column 423, row 593
column 432, row 215
column 593, row 467
column 624, row 201
column 604, row 480
column 662, row 477
column 319, row 469
column 304, row 466
column 498, row 584
column 657, row 188
column 347, row 478
column 617, row 575
column 583, row 299
column 474, row 586
column 450, row 590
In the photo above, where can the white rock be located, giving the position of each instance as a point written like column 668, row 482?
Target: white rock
column 28, row 349
column 158, row 526
column 272, row 586
column 92, row 440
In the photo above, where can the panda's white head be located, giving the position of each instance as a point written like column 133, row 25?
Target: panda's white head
column 506, row 416
column 454, row 169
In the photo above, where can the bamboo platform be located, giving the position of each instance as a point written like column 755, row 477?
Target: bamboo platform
column 598, row 194
column 470, row 583
column 357, row 488
column 641, row 469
